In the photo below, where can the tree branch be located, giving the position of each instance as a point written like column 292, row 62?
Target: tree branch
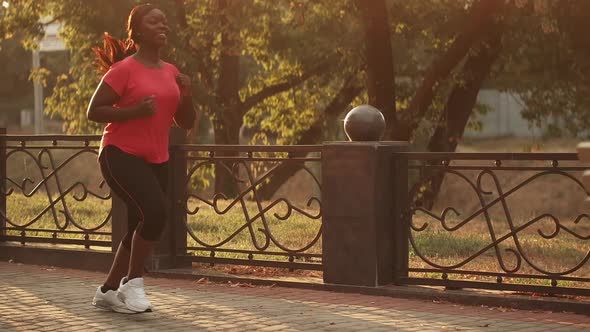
column 181, row 13
column 459, row 107
column 463, row 97
column 53, row 20
column 350, row 90
column 280, row 87
column 201, row 67
column 479, row 23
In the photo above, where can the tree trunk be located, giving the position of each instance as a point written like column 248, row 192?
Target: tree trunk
column 313, row 135
column 380, row 85
column 477, row 26
column 203, row 91
column 228, row 116
column 459, row 108
column 575, row 19
column 379, row 59
column 225, row 174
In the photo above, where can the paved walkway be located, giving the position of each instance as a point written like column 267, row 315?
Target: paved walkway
column 34, row 298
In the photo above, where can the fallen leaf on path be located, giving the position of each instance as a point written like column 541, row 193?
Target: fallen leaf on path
column 203, row 281
column 240, row 284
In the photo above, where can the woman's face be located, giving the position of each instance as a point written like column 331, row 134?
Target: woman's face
column 154, row 28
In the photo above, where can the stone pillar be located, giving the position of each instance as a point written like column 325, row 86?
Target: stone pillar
column 360, row 212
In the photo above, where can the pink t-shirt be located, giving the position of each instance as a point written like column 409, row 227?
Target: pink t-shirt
column 146, row 137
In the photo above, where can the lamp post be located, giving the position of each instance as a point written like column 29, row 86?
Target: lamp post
column 49, row 43
column 38, row 94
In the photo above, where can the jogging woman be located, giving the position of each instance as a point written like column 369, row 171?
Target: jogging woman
column 139, row 98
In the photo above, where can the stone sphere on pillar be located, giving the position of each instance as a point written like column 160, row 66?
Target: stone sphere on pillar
column 364, row 123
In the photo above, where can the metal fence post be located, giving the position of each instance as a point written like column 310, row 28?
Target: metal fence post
column 3, row 180
column 172, row 243
column 584, row 156
column 401, row 224
column 177, row 193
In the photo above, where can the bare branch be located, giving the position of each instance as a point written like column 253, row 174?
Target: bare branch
column 53, row 20
column 477, row 26
column 463, row 96
column 312, row 135
column 289, row 83
column 201, row 67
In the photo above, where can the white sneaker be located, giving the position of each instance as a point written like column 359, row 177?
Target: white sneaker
column 133, row 295
column 110, row 301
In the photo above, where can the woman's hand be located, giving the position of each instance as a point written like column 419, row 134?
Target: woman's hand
column 101, row 107
column 145, row 108
column 184, row 83
column 185, row 115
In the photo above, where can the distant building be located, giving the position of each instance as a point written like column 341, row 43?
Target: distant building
column 51, row 42
column 504, row 117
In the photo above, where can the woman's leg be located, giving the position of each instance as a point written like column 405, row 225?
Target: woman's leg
column 120, row 265
column 141, row 247
column 136, row 183
column 118, row 269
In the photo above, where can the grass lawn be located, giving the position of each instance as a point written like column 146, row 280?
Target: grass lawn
column 437, row 245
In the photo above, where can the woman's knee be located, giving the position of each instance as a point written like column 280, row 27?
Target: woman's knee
column 128, row 239
column 153, row 224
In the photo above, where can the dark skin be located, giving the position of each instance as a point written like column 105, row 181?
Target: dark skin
column 153, row 36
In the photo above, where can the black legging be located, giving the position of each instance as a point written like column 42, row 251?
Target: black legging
column 142, row 186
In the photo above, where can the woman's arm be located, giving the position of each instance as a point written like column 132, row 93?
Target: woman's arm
column 185, row 115
column 101, row 107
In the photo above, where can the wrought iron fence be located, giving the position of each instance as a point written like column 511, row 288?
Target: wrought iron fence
column 474, row 220
column 52, row 191
column 511, row 221
column 245, row 221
